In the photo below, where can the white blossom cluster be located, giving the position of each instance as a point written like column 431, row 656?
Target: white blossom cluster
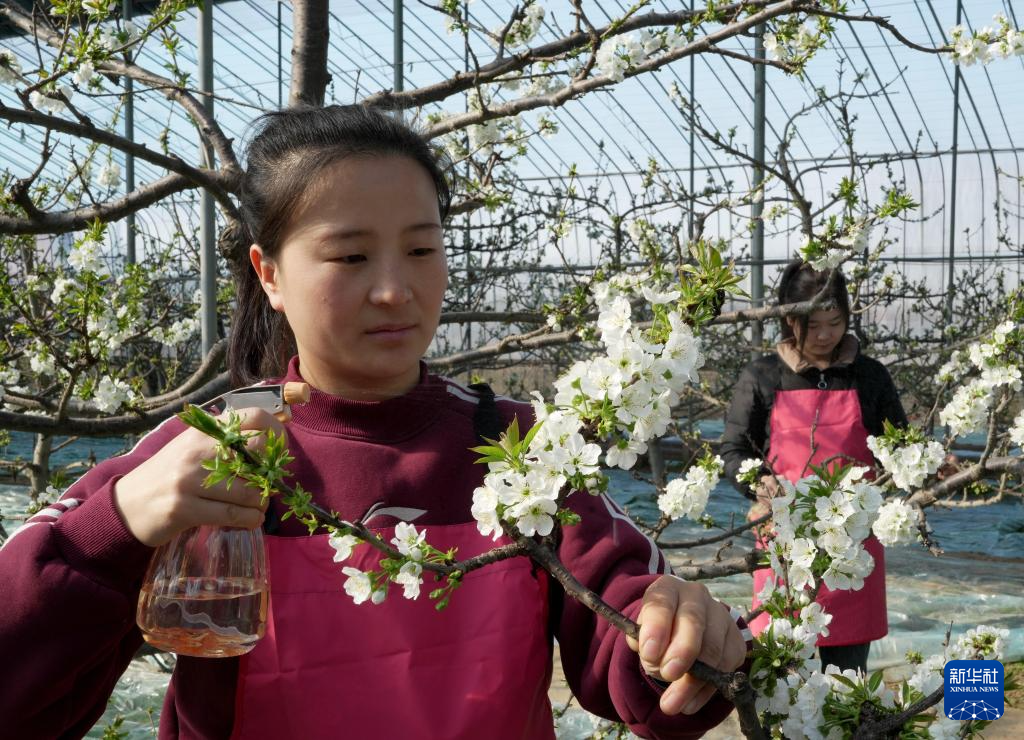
column 361, row 586
column 109, row 175
column 895, row 524
column 617, row 54
column 750, row 471
column 819, row 257
column 10, row 67
column 805, row 40
column 48, row 100
column 813, row 518
column 178, row 332
column 112, row 38
column 1017, row 430
column 637, row 380
column 986, row 44
column 112, row 327
column 688, row 496
column 10, row 377
column 41, row 360
column 522, row 31
column 85, row 256
column 793, row 699
column 908, row 465
column 111, row 394
column 968, row 410
column 528, row 496
column 84, row 74
column 629, row 391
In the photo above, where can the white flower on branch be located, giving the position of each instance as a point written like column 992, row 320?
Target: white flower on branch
column 96, row 7
column 343, row 544
column 41, row 361
column 617, row 54
column 9, row 378
column 10, row 67
column 749, row 471
column 84, row 74
column 111, row 394
column 928, row 676
column 46, row 100
column 688, row 496
column 967, row 411
column 895, row 524
column 909, row 465
column 110, row 175
column 360, row 588
column 410, row 577
column 980, row 643
column 177, row 333
column 829, row 259
column 408, row 541
column 814, row 620
column 485, row 511
column 522, row 31
column 775, row 50
column 85, row 256
column 535, row 516
column 656, row 297
column 1017, row 430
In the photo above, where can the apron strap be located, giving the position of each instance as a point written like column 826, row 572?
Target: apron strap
column 487, row 419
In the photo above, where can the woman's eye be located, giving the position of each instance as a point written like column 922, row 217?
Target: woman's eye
column 422, row 251
column 351, row 259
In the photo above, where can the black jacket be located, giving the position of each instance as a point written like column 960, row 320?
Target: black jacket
column 747, row 422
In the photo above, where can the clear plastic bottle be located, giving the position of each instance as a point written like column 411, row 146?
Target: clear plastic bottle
column 205, row 593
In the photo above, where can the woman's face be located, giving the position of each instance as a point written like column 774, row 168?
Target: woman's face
column 360, row 275
column 825, row 329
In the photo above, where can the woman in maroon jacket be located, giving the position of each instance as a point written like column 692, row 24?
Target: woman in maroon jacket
column 816, row 382
column 342, row 288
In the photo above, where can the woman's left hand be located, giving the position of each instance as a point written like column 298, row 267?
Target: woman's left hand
column 679, row 623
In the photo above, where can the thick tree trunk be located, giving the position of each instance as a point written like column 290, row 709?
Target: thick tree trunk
column 309, row 53
column 39, row 470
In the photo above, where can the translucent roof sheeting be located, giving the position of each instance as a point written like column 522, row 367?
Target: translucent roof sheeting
column 905, row 114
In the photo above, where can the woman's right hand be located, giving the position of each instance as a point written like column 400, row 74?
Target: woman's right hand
column 165, row 495
column 765, row 491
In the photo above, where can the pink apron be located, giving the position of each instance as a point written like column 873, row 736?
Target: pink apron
column 857, row 616
column 328, row 668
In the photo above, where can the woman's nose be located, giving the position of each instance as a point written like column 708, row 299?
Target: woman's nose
column 391, row 287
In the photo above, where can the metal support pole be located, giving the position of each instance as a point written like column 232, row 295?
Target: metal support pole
column 693, row 103
column 951, row 278
column 129, row 133
column 207, row 217
column 280, row 83
column 467, row 337
column 399, row 45
column 757, row 207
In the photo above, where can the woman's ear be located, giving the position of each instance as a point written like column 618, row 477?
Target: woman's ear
column 267, row 273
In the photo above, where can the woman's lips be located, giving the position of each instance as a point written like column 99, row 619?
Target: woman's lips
column 391, row 330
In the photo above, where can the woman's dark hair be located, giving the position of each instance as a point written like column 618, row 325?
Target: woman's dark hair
column 287, row 152
column 800, row 282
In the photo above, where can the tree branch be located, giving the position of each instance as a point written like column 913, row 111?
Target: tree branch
column 463, row 81
column 43, row 222
column 218, row 183
column 578, row 88
column 208, row 127
column 309, row 53
column 135, row 423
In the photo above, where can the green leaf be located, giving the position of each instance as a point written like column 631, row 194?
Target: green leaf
column 875, row 681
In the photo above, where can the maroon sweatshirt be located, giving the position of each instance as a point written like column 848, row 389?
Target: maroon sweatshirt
column 70, row 577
